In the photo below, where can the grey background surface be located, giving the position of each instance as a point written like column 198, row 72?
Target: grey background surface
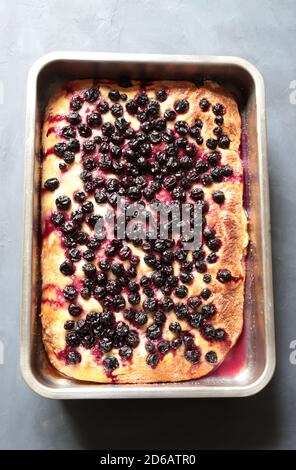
column 264, row 33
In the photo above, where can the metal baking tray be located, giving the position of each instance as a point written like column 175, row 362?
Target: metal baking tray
column 250, row 365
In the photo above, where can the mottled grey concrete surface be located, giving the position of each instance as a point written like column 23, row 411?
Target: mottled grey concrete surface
column 264, row 32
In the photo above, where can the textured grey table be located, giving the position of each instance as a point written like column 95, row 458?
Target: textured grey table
column 264, row 33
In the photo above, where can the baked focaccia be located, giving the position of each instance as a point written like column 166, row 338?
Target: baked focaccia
column 137, row 310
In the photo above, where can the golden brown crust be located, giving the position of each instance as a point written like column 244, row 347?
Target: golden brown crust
column 228, row 220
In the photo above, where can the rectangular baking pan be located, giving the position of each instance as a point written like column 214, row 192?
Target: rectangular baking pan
column 251, row 364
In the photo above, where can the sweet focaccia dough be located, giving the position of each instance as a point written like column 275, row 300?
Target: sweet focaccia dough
column 228, row 220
